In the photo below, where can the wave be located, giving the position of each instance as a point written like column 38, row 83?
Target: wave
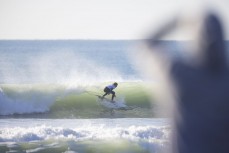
column 135, row 135
column 59, row 101
column 27, row 99
column 25, row 102
column 98, row 132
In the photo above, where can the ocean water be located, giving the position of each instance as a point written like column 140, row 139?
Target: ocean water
column 49, row 102
column 61, row 78
column 49, row 98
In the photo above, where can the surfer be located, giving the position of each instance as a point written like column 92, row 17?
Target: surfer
column 109, row 90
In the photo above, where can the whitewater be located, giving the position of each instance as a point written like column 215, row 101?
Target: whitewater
column 144, row 135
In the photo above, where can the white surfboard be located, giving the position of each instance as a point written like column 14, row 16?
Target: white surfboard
column 108, row 103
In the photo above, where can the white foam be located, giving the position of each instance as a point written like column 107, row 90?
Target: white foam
column 82, row 131
column 151, row 134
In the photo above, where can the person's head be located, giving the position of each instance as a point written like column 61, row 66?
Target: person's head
column 115, row 84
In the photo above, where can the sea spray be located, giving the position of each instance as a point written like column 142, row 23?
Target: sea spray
column 76, row 90
column 62, row 67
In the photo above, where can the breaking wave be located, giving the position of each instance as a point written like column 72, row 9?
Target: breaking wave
column 59, row 101
column 22, row 132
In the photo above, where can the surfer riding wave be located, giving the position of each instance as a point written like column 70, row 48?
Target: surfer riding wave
column 109, row 90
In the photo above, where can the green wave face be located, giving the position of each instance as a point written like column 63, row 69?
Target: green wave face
column 60, row 101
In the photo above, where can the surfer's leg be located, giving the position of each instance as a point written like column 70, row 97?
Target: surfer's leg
column 107, row 91
column 105, row 94
column 113, row 95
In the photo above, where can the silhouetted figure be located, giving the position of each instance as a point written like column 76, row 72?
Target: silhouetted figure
column 201, row 87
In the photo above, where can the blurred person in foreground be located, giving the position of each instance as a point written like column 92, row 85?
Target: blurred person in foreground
column 200, row 87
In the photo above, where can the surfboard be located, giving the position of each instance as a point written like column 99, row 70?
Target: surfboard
column 108, row 103
column 104, row 98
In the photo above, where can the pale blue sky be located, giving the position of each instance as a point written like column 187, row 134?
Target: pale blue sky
column 93, row 19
